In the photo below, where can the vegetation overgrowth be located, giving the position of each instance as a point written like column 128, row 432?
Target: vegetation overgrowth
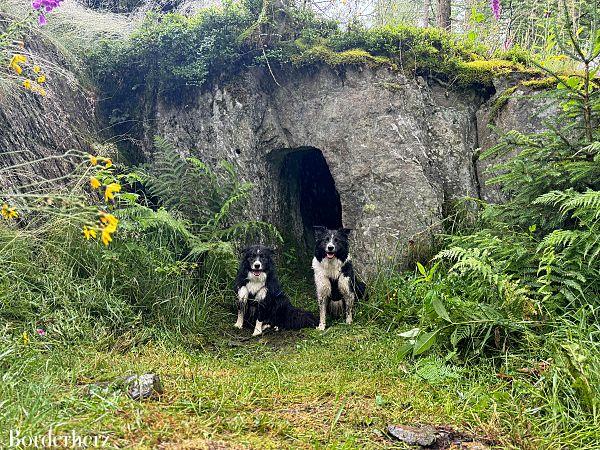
column 169, row 51
column 121, row 270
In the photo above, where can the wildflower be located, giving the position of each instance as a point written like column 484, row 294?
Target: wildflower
column 45, row 6
column 108, row 163
column 109, row 194
column 109, row 221
column 110, row 226
column 41, row 79
column 25, row 338
column 89, row 233
column 15, row 62
column 8, row 213
column 93, row 160
column 40, row 90
column 37, row 69
column 496, row 8
column 106, row 236
column 27, row 84
column 95, row 183
column 40, row 331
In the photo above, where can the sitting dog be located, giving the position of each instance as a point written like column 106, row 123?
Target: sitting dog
column 336, row 282
column 261, row 301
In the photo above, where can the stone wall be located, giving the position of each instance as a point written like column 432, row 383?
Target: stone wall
column 398, row 148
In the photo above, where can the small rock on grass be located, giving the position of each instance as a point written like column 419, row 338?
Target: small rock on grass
column 440, row 437
column 423, row 436
column 144, row 386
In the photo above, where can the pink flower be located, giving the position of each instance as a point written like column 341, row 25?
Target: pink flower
column 44, row 6
column 496, row 8
column 41, row 332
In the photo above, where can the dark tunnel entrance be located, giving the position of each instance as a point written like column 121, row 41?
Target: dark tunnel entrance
column 309, row 195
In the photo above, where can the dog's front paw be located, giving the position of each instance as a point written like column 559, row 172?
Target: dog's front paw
column 257, row 332
column 349, row 320
column 321, row 327
column 238, row 325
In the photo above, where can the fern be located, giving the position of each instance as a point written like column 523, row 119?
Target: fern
column 200, row 205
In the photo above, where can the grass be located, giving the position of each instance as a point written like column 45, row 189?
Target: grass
column 338, row 389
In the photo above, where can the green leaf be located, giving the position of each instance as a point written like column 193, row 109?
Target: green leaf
column 422, row 270
column 573, row 82
column 440, row 309
column 404, row 350
column 424, row 342
column 532, row 228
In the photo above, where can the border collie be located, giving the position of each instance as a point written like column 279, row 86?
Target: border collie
column 261, row 301
column 336, row 282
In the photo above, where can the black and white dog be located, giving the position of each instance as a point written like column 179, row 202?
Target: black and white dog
column 261, row 301
column 336, row 282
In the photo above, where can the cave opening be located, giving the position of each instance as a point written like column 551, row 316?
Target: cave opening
column 309, row 195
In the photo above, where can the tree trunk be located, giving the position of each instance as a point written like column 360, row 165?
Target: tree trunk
column 443, row 14
column 425, row 16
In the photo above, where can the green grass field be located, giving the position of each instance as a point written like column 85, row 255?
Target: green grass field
column 338, row 389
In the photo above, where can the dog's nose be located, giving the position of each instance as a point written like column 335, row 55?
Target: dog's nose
column 330, row 248
column 256, row 265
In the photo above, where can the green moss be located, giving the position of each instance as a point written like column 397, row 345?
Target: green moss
column 541, row 83
column 322, row 54
column 170, row 52
column 484, row 70
column 500, row 102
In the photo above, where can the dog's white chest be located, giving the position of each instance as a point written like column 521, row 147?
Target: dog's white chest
column 255, row 284
column 328, row 268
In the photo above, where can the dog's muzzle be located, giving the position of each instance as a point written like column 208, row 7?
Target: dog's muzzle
column 256, row 268
column 330, row 251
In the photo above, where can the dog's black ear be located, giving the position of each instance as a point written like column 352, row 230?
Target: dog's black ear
column 320, row 230
column 345, row 231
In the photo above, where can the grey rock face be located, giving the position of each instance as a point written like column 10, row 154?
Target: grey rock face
column 525, row 111
column 398, row 150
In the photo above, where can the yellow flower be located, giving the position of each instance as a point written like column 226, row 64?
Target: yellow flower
column 110, row 226
column 15, row 61
column 109, row 194
column 40, row 90
column 37, row 69
column 8, row 213
column 108, row 163
column 95, row 183
column 25, row 338
column 106, row 238
column 27, row 84
column 89, row 232
column 93, row 160
column 109, row 221
column 41, row 79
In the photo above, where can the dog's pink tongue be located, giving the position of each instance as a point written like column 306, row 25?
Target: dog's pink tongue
column 330, row 255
